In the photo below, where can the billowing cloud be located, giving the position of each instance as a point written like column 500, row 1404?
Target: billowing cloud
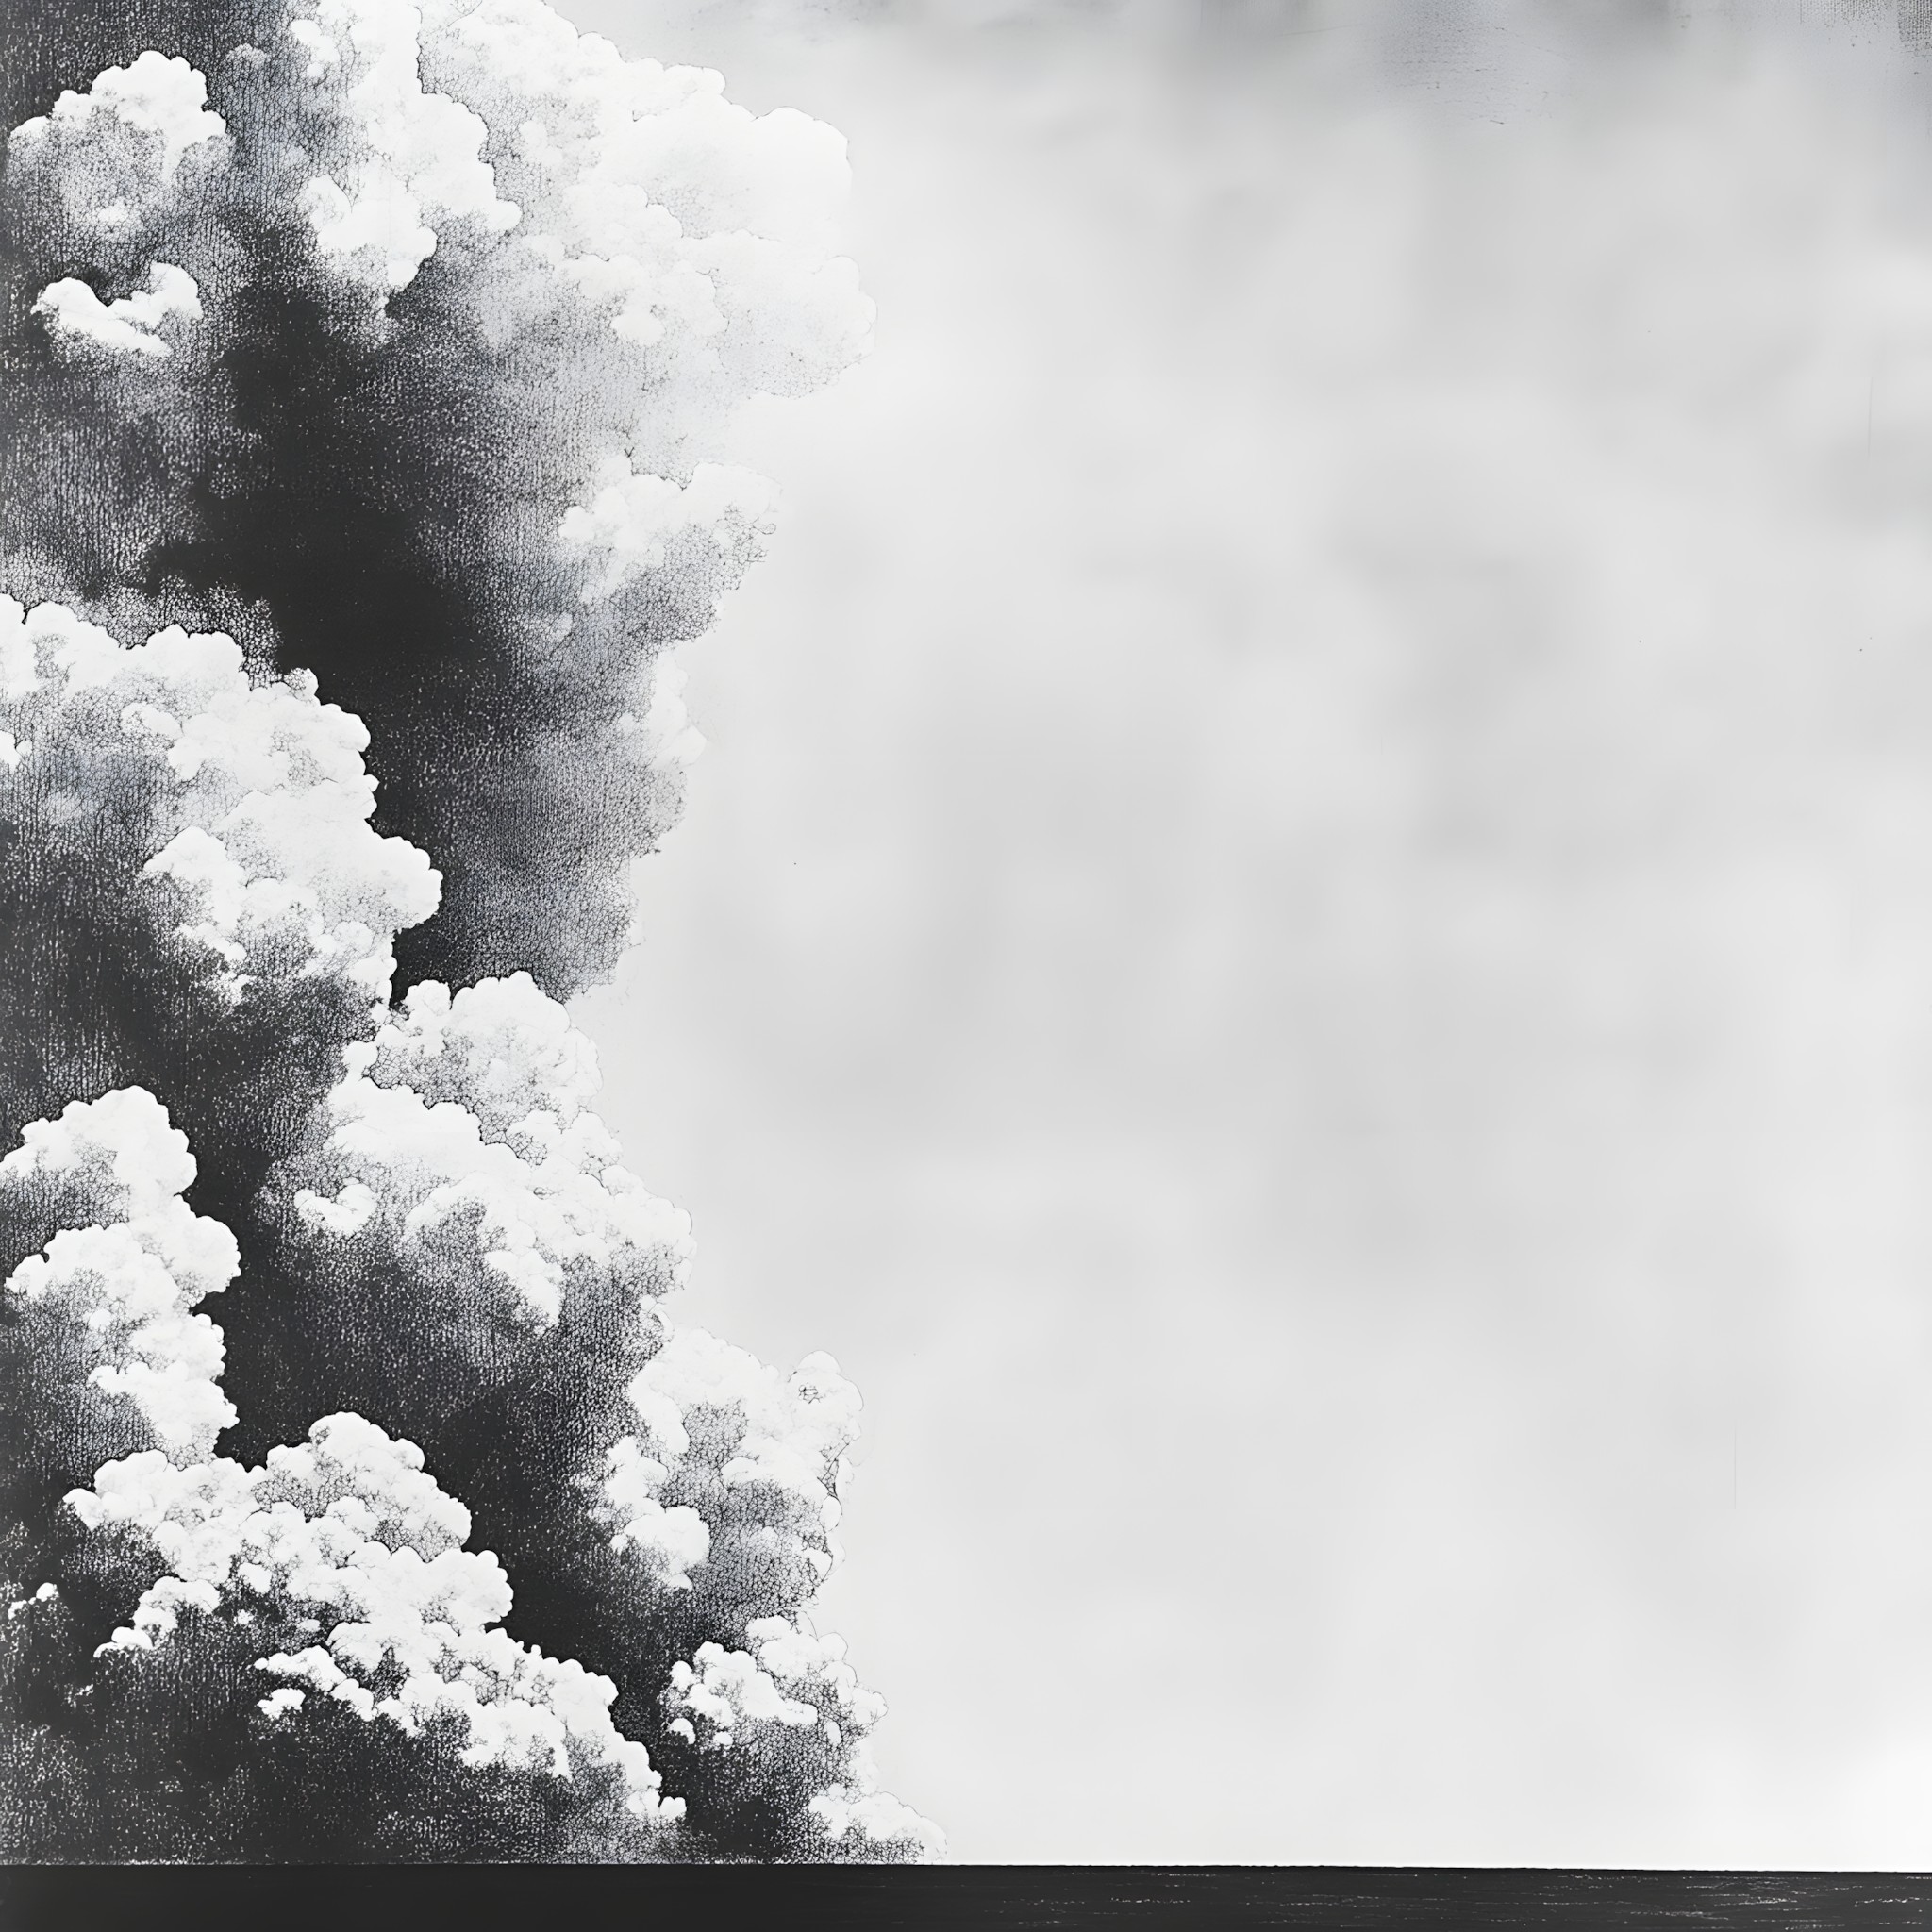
column 375, row 361
column 424, row 335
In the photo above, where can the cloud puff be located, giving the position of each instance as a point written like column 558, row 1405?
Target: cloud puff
column 206, row 912
column 756, row 1456
column 778, row 1726
column 75, row 314
column 101, row 1354
column 333, row 1585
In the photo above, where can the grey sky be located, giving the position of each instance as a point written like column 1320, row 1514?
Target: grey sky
column 1305, row 939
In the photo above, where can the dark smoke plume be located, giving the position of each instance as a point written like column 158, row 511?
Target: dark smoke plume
column 367, row 368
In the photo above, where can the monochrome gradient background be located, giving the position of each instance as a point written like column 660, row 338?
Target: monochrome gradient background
column 1306, row 936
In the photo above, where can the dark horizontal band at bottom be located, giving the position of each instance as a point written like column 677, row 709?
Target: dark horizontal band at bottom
column 940, row 1899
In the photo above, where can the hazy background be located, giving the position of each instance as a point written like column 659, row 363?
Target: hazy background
column 1305, row 940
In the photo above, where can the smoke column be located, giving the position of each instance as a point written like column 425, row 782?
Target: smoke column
column 368, row 366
